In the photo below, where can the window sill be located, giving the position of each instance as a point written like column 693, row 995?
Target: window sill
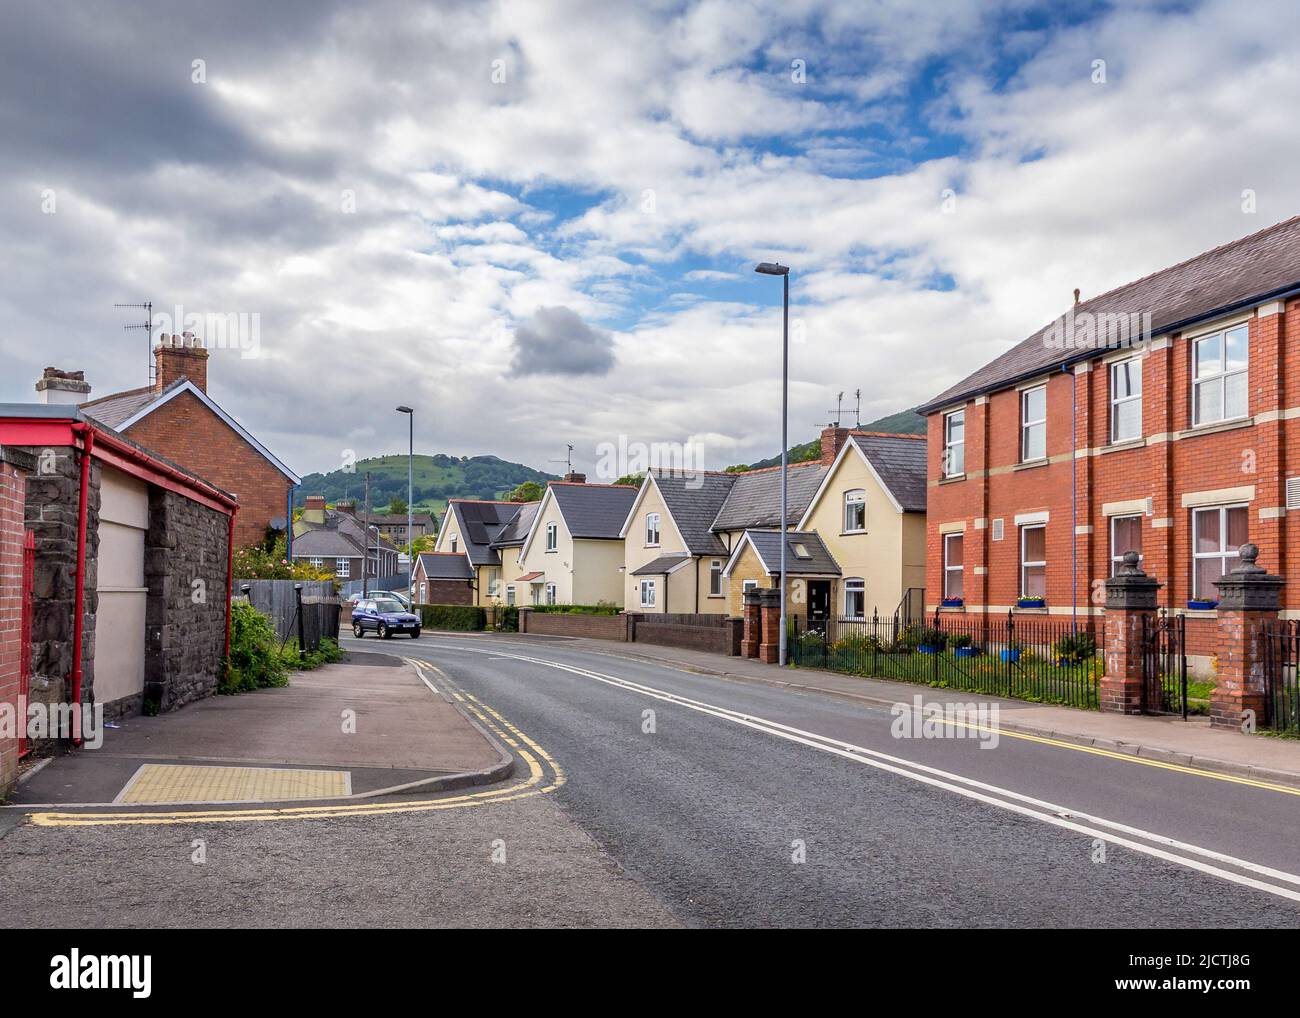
column 1199, row 613
column 651, row 546
column 1031, row 611
column 953, row 479
column 1032, row 464
column 851, row 533
column 715, row 597
column 959, row 609
column 1124, row 446
column 1216, row 427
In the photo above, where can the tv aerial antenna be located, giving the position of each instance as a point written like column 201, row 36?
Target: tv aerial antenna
column 567, row 461
column 147, row 308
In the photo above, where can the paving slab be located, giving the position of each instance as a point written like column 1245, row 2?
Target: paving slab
column 369, row 721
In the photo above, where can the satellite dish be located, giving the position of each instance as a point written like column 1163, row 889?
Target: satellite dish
column 277, row 522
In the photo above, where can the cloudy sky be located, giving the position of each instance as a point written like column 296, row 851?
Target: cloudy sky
column 537, row 221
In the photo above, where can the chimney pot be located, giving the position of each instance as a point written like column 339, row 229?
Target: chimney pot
column 573, row 477
column 63, row 388
column 180, row 356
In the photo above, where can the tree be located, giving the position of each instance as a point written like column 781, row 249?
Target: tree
column 397, row 506
column 528, row 491
column 632, row 480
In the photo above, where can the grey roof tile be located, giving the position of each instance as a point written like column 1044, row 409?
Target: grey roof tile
column 900, row 462
column 755, row 498
column 662, row 564
column 443, row 565
column 1253, row 267
column 694, row 499
column 819, row 562
column 593, row 510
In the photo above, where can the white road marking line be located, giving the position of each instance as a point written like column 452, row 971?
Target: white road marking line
column 1055, row 815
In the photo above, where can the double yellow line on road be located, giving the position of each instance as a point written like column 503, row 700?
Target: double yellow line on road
column 544, row 775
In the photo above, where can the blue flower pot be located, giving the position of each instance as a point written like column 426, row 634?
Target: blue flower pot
column 928, row 648
column 1031, row 602
column 964, row 652
column 953, row 602
column 1202, row 606
column 1009, row 656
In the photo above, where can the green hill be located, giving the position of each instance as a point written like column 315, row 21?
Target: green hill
column 436, row 479
column 905, row 422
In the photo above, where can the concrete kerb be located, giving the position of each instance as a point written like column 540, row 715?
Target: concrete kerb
column 502, row 769
column 1229, row 767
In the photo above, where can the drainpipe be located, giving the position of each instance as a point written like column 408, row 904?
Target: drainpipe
column 79, row 604
column 1074, row 497
column 230, row 572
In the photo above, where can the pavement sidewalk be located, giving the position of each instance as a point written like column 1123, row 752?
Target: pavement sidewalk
column 1190, row 743
column 362, row 727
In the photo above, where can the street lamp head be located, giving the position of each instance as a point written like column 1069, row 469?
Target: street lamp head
column 405, row 410
column 772, row 269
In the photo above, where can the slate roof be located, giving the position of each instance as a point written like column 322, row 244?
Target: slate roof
column 1242, row 272
column 694, row 500
column 445, row 565
column 593, row 510
column 767, row 543
column 662, row 564
column 481, row 523
column 327, row 542
column 516, row 531
column 900, row 462
column 755, row 499
column 398, row 519
column 122, row 406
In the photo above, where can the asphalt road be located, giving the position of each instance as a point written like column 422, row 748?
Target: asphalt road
column 729, row 820
column 731, row 804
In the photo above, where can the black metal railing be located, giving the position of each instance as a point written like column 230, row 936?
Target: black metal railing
column 1282, row 675
column 1164, row 664
column 1027, row 657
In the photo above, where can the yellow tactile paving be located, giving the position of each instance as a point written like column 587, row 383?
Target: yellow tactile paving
column 181, row 783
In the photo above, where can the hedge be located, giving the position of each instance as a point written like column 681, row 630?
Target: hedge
column 461, row 617
column 576, row 609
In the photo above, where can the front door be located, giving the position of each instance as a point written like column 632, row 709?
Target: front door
column 819, row 603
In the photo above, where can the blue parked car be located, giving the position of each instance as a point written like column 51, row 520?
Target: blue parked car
column 385, row 616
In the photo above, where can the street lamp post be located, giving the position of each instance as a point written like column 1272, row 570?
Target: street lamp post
column 775, row 269
column 410, row 491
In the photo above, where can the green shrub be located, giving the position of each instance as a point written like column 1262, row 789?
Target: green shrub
column 1075, row 648
column 600, row 608
column 326, row 653
column 507, row 618
column 929, row 636
column 959, row 640
column 857, row 643
column 255, row 661
column 463, row 618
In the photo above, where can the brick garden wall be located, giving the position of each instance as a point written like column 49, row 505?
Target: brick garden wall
column 716, row 634
column 185, row 622
column 595, row 627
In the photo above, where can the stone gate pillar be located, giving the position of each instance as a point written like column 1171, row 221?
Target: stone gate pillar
column 1249, row 598
column 1130, row 603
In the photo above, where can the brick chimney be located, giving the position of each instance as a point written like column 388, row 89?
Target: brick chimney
column 346, row 505
column 177, row 356
column 314, row 510
column 833, row 440
column 63, row 387
column 572, row 477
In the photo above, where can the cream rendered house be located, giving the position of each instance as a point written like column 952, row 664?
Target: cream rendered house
column 469, row 528
column 573, row 553
column 870, row 513
column 683, row 528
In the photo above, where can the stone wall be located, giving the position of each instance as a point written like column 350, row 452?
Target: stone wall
column 186, row 551
column 53, row 489
column 14, row 468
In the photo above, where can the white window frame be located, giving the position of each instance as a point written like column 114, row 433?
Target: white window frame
column 1024, row 530
column 856, row 497
column 452, row 539
column 551, row 593
column 949, row 568
column 715, row 579
column 424, row 592
column 648, row 591
column 494, row 582
column 510, row 593
column 317, row 563
column 1223, row 553
column 552, row 536
column 342, row 567
column 1220, row 377
column 1026, row 424
column 855, row 585
column 954, row 450
column 747, row 585
column 1118, row 401
column 652, row 522
column 1117, row 554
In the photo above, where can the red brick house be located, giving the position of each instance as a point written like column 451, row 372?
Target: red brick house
column 177, row 416
column 1162, row 417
